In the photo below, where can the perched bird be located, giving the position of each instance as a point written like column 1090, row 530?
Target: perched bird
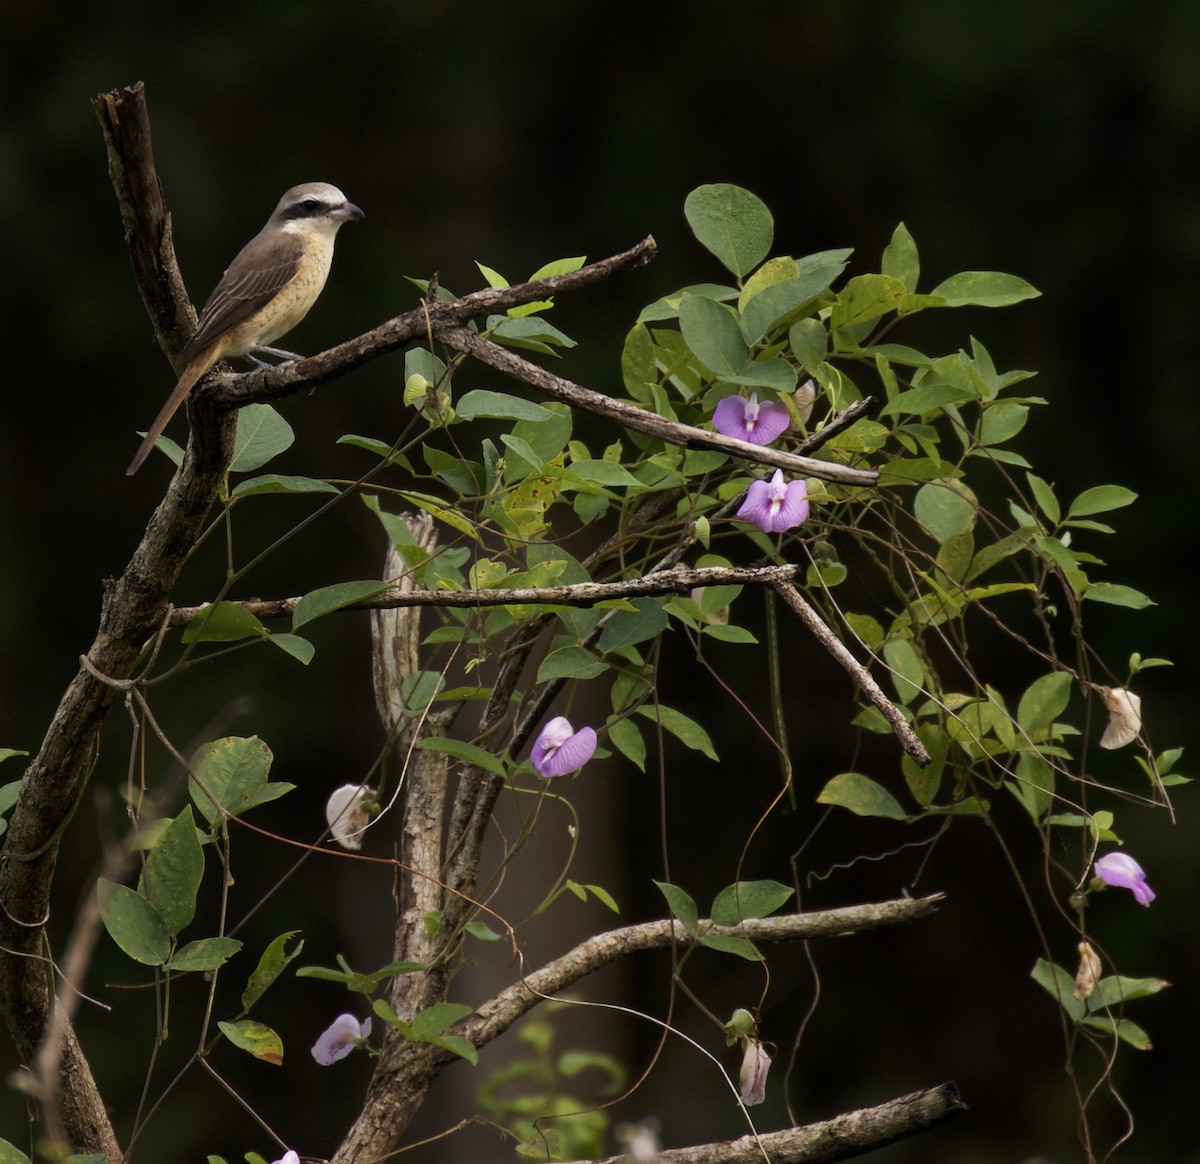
column 265, row 291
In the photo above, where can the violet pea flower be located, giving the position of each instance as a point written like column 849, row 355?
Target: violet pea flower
column 1124, row 872
column 775, row 505
column 560, row 749
column 289, row 1157
column 747, row 420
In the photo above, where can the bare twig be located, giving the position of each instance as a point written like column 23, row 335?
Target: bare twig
column 494, row 1017
column 641, row 419
column 900, row 726
column 679, row 580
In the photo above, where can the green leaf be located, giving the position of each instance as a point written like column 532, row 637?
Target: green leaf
column 174, row 870
column 770, row 308
column 461, row 750
column 134, row 924
column 711, row 331
column 731, row 944
column 1042, row 700
column 732, row 223
column 1116, row 595
column 907, row 670
column 273, row 962
column 603, row 472
column 809, row 342
column 864, row 299
column 462, row 1047
column 746, row 899
column 945, row 509
column 682, row 727
column 262, row 434
column 1125, row 1030
column 326, row 599
column 682, row 907
column 570, row 663
column 499, row 405
column 11, row 1155
column 1116, row 990
column 204, row 954
column 255, row 1037
column 482, row 932
column 861, row 795
column 984, row 289
column 900, row 259
column 1101, row 499
column 234, row 771
column 281, row 483
column 295, row 645
column 435, row 1019
column 1033, row 785
column 1044, row 496
column 624, row 628
column 1001, row 422
column 625, row 737
column 931, row 397
column 1060, row 985
column 227, row 622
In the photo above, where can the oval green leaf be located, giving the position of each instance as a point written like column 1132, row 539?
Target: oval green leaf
column 732, row 223
column 861, row 795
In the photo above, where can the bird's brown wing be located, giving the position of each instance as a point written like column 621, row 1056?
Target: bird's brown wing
column 261, row 270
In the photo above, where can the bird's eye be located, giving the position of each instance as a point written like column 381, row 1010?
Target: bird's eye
column 311, row 204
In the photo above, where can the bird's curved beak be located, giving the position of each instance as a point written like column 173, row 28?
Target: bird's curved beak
column 347, row 212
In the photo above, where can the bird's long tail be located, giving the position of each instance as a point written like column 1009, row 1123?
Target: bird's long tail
column 191, row 374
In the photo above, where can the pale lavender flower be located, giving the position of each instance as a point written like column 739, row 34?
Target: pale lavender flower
column 560, row 749
column 343, row 1035
column 747, row 420
column 753, row 1078
column 775, row 505
column 289, row 1157
column 1124, row 872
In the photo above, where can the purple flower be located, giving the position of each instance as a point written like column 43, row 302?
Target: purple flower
column 775, row 505
column 753, row 1078
column 344, row 1034
column 289, row 1157
column 747, row 420
column 560, row 749
column 1123, row 871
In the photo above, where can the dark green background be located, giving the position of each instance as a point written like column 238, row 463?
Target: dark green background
column 1057, row 142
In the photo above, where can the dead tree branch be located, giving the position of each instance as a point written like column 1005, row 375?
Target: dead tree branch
column 851, row 1134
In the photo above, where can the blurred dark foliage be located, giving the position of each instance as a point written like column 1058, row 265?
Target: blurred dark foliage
column 1057, row 142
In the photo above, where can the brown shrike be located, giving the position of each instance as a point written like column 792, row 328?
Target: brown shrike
column 265, row 292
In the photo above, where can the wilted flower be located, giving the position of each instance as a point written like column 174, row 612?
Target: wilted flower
column 747, row 420
column 347, row 814
column 1088, row 973
column 1124, row 717
column 560, row 749
column 803, row 399
column 289, row 1157
column 775, row 505
column 1123, row 871
column 753, row 1078
column 343, row 1035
